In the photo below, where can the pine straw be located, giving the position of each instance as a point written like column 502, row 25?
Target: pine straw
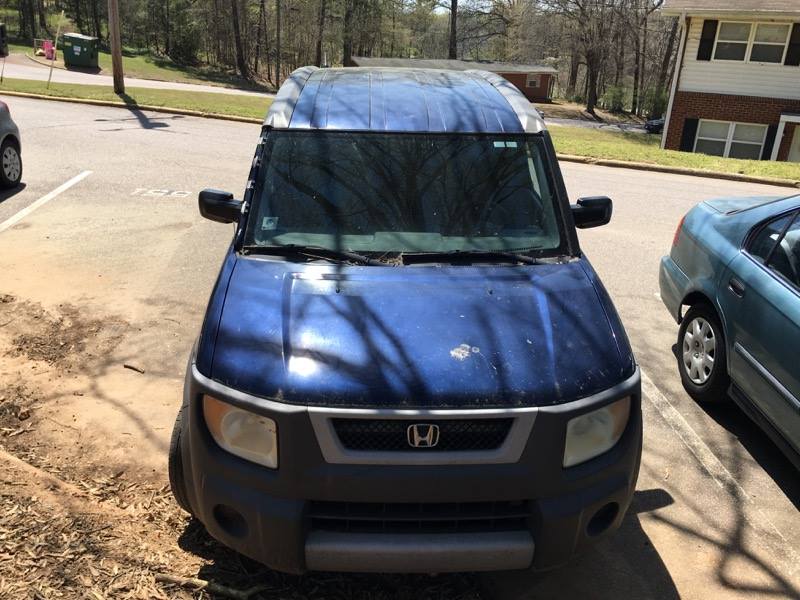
column 110, row 537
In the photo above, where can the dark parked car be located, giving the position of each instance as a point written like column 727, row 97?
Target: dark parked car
column 735, row 263
column 654, row 125
column 407, row 363
column 10, row 150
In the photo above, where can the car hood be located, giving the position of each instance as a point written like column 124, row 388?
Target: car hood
column 418, row 336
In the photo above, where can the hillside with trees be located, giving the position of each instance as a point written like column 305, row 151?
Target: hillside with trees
column 618, row 54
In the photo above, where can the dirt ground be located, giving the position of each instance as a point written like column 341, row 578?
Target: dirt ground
column 562, row 109
column 75, row 525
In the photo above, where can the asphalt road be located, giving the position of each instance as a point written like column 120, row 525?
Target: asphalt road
column 21, row 67
column 716, row 510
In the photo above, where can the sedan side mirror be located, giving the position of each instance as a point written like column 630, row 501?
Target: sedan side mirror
column 219, row 206
column 592, row 211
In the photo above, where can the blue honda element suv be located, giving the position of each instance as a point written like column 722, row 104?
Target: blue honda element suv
column 407, row 364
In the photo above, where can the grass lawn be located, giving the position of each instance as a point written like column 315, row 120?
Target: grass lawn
column 143, row 65
column 639, row 147
column 206, row 102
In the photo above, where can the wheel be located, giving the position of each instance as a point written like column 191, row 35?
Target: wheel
column 11, row 167
column 702, row 358
column 177, row 481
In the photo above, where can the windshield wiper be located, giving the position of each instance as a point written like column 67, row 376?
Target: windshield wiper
column 469, row 255
column 320, row 252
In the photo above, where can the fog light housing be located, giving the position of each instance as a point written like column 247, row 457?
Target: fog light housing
column 246, row 434
column 595, row 432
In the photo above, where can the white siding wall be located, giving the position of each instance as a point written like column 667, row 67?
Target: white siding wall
column 733, row 77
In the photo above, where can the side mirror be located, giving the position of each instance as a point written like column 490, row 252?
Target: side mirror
column 592, row 211
column 219, row 206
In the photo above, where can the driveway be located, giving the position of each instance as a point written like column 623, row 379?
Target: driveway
column 102, row 293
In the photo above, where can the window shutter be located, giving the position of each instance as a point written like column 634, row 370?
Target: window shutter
column 689, row 133
column 793, row 51
column 707, row 38
column 769, row 142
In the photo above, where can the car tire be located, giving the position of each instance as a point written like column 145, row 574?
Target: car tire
column 177, row 480
column 702, row 358
column 10, row 164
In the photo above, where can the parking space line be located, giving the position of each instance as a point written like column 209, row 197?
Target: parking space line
column 42, row 201
column 712, row 465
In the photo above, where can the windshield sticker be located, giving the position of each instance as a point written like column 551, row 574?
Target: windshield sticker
column 499, row 144
column 269, row 223
column 511, row 144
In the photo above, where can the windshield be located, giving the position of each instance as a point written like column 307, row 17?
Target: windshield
column 404, row 193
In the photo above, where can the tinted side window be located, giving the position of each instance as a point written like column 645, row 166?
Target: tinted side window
column 785, row 257
column 764, row 241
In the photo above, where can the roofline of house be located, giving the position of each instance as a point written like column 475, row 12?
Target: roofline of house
column 727, row 12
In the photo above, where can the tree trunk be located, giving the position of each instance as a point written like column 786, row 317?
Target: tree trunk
column 260, row 33
column 661, row 83
column 347, row 35
column 592, row 75
column 278, row 47
column 241, row 64
column 320, row 32
column 572, row 81
column 42, row 16
column 96, row 19
column 452, row 50
column 637, row 50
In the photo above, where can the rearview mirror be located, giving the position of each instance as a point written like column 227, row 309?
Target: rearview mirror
column 220, row 206
column 592, row 211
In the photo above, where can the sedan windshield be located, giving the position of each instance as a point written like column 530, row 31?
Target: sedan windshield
column 401, row 193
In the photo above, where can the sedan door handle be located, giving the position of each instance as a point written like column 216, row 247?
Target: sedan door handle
column 736, row 287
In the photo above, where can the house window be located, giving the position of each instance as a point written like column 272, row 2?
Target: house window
column 769, row 43
column 732, row 40
column 730, row 140
column 752, row 42
column 532, row 81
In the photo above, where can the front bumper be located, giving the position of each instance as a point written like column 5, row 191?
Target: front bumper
column 273, row 516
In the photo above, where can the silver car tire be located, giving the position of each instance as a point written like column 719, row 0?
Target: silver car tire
column 701, row 354
column 10, row 165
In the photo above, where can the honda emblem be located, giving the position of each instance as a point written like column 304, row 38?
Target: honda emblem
column 423, row 435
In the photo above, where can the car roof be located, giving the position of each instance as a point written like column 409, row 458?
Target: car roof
column 403, row 100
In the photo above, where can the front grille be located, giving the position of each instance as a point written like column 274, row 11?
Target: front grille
column 391, row 435
column 364, row 517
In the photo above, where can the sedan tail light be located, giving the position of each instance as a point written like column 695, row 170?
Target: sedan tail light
column 677, row 235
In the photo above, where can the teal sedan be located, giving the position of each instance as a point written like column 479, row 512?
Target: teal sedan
column 732, row 283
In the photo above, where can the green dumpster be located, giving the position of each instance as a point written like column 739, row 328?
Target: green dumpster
column 79, row 50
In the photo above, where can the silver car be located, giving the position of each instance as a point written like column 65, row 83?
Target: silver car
column 10, row 150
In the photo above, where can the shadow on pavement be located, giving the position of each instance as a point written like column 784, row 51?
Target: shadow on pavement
column 6, row 194
column 625, row 565
column 757, row 443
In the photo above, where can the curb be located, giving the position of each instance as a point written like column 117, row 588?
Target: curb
column 111, row 104
column 43, row 63
column 640, row 166
column 587, row 160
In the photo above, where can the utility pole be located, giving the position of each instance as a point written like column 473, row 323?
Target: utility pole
column 116, row 46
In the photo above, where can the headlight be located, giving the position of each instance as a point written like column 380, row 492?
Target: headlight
column 595, row 432
column 242, row 432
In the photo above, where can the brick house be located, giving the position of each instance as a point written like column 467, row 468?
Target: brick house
column 535, row 81
column 736, row 89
